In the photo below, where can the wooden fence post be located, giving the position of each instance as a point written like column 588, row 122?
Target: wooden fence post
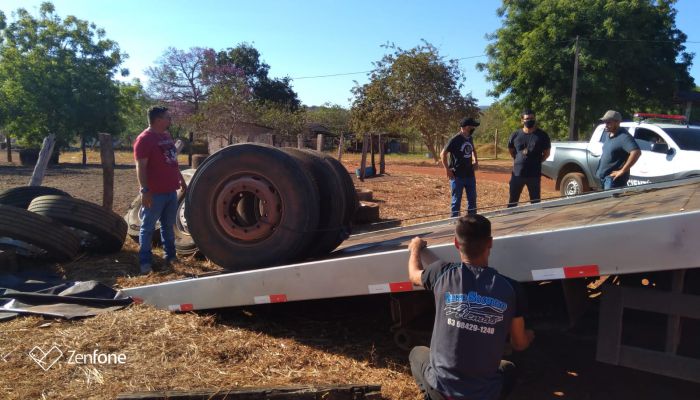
column 495, row 145
column 43, row 161
column 9, row 148
column 340, row 147
column 300, row 141
column 363, row 162
column 107, row 158
column 319, row 142
column 189, row 153
column 382, row 150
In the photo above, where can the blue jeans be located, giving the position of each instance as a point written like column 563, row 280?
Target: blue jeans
column 457, row 185
column 516, row 185
column 610, row 183
column 164, row 208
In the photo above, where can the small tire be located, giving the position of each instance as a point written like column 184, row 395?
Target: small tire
column 21, row 196
column 37, row 230
column 108, row 228
column 330, row 231
column 284, row 191
column 573, row 184
column 184, row 244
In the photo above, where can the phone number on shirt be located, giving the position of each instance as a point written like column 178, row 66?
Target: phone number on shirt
column 471, row 327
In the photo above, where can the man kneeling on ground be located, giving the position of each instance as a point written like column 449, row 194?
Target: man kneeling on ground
column 476, row 308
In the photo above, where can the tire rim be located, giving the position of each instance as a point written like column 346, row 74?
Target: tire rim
column 572, row 188
column 248, row 208
column 181, row 221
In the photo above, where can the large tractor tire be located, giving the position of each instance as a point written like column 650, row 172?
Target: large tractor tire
column 352, row 203
column 105, row 230
column 21, row 196
column 251, row 206
column 36, row 234
column 330, row 231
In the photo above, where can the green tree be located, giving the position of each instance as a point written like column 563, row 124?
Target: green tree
column 277, row 91
column 413, row 90
column 501, row 117
column 333, row 116
column 56, row 76
column 134, row 102
column 632, row 57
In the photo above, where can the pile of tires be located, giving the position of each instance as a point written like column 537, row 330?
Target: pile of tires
column 184, row 245
column 45, row 222
column 252, row 205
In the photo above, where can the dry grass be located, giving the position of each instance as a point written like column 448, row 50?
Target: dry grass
column 167, row 351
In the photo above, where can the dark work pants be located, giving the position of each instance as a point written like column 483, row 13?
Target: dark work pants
column 517, row 183
column 419, row 358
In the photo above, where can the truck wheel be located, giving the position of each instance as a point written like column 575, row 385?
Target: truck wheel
column 272, row 232
column 352, row 203
column 574, row 184
column 36, row 235
column 331, row 206
column 21, row 196
column 104, row 231
column 184, row 245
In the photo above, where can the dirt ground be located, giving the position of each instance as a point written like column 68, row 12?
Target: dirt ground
column 338, row 341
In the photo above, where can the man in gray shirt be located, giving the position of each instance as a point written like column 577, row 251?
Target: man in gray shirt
column 476, row 309
column 620, row 152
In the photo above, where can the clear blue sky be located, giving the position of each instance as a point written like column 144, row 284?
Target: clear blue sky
column 310, row 37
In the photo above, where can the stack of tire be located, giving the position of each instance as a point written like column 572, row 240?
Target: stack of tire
column 45, row 222
column 252, row 205
column 184, row 245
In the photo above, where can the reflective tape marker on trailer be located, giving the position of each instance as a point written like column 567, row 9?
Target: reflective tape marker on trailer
column 390, row 287
column 578, row 271
column 273, row 298
column 181, row 307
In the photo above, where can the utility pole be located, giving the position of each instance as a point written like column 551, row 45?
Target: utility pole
column 573, row 134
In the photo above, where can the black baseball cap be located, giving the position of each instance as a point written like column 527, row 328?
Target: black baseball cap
column 469, row 122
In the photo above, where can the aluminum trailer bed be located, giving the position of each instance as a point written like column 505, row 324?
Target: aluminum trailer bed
column 645, row 228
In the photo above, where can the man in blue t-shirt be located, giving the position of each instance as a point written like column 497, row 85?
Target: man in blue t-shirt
column 529, row 147
column 476, row 309
column 459, row 159
column 620, row 152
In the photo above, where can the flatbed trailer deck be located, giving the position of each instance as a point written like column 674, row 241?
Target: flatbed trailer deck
column 639, row 229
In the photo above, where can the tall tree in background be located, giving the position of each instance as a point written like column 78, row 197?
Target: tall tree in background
column 277, row 91
column 415, row 90
column 134, row 101
column 177, row 76
column 632, row 57
column 56, row 76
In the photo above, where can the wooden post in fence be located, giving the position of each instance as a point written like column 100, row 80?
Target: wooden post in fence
column 9, row 148
column 43, row 161
column 319, row 142
column 495, row 145
column 371, row 146
column 363, row 162
column 107, row 158
column 382, row 150
column 340, row 147
column 300, row 141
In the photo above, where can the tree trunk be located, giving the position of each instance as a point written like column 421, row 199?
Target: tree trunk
column 9, row 148
column 430, row 144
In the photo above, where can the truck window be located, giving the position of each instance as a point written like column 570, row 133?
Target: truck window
column 685, row 138
column 646, row 137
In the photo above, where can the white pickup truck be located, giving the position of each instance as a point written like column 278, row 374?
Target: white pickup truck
column 669, row 151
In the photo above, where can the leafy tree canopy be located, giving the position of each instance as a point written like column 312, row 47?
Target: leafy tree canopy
column 56, row 76
column 632, row 58
column 413, row 90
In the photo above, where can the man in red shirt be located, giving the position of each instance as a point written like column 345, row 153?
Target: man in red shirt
column 159, row 177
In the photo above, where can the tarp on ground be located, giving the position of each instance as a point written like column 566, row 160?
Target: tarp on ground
column 56, row 298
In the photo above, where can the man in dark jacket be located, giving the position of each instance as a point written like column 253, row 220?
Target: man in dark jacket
column 529, row 147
